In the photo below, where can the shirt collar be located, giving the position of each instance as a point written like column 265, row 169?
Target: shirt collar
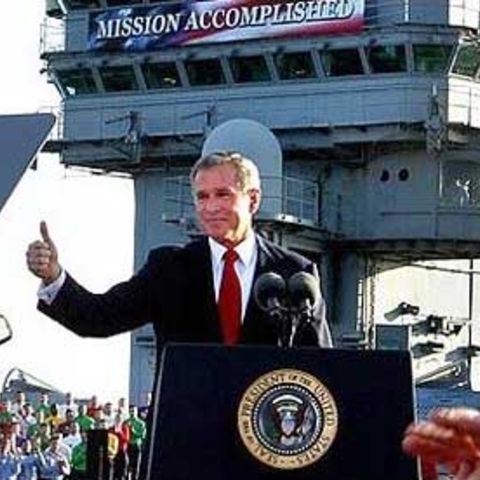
column 246, row 250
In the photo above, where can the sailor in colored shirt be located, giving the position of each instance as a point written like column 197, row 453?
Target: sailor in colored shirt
column 9, row 462
column 56, row 465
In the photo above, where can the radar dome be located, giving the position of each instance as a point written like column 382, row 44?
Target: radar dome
column 252, row 139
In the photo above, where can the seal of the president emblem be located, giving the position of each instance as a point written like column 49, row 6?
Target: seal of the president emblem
column 287, row 419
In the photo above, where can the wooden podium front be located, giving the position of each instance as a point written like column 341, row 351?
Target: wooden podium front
column 254, row 413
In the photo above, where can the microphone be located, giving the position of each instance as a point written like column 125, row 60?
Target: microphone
column 269, row 292
column 304, row 293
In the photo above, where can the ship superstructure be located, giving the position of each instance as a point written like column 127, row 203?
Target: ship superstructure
column 363, row 115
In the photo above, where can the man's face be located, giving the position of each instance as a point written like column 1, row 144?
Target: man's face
column 224, row 211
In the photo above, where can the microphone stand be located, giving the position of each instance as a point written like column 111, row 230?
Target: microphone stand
column 300, row 318
column 285, row 338
column 279, row 316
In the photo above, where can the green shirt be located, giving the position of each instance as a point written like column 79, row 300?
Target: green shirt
column 79, row 457
column 5, row 417
column 85, row 422
column 138, row 430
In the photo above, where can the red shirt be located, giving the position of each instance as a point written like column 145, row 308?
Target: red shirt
column 123, row 435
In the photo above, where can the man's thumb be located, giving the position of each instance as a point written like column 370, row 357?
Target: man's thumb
column 44, row 232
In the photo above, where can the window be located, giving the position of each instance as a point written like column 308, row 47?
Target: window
column 404, row 174
column 460, row 184
column 300, row 198
column 294, row 66
column 114, row 3
column 387, row 58
column 385, row 176
column 161, row 75
column 77, row 82
column 342, row 62
column 431, row 58
column 467, row 60
column 204, row 72
column 78, row 4
column 249, row 69
column 118, row 79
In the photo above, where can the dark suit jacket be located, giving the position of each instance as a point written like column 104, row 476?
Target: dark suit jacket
column 174, row 291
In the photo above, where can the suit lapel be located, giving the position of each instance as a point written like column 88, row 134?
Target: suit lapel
column 204, row 307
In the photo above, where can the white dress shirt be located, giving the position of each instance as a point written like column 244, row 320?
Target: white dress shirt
column 244, row 266
column 47, row 293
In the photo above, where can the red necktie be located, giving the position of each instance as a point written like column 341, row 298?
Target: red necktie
column 230, row 299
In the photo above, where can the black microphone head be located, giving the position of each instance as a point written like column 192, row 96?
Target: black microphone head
column 269, row 288
column 304, row 287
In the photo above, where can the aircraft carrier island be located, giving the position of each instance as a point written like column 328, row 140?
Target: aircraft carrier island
column 363, row 115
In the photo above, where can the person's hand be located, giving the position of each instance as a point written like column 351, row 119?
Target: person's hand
column 42, row 257
column 466, row 423
column 450, row 437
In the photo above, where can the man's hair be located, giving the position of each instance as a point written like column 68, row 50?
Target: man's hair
column 247, row 173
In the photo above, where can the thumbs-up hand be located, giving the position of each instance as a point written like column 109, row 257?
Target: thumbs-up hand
column 42, row 257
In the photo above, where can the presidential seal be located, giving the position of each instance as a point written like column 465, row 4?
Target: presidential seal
column 287, row 419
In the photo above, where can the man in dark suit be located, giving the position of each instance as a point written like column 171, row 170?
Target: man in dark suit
column 178, row 287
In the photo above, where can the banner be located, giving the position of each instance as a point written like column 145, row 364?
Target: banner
column 155, row 27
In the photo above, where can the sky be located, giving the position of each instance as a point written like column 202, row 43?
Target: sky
column 76, row 205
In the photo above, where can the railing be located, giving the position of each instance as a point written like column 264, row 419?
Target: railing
column 299, row 199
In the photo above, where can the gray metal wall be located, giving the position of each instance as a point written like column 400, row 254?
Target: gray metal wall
column 332, row 103
column 393, row 191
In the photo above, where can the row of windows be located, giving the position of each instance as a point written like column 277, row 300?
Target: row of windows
column 281, row 66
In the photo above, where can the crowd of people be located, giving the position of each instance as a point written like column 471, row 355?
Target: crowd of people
column 42, row 440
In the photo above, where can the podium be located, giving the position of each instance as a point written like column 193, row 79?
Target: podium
column 98, row 463
column 264, row 413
